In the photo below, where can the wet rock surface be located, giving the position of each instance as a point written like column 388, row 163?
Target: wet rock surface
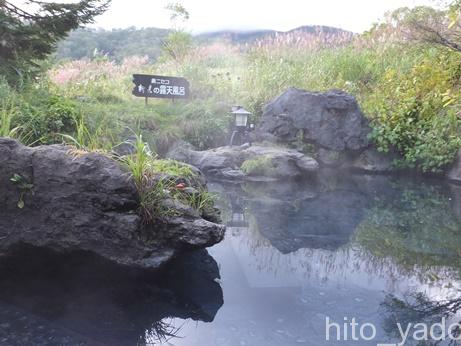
column 226, row 162
column 69, row 201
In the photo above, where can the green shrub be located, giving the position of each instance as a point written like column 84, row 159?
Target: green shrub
column 40, row 114
column 177, row 45
column 414, row 112
column 258, row 166
column 173, row 168
column 7, row 109
column 45, row 119
column 5, row 89
column 204, row 124
column 61, row 115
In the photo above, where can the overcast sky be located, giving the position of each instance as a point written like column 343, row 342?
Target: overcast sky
column 212, row 15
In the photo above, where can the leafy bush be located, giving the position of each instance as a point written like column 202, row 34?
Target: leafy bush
column 258, row 166
column 173, row 168
column 44, row 117
column 206, row 128
column 177, row 45
column 414, row 113
column 5, row 89
column 35, row 115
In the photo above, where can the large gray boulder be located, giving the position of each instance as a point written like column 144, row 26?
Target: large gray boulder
column 332, row 121
column 69, row 201
column 269, row 162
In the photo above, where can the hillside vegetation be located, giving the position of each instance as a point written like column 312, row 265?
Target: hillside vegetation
column 116, row 44
column 407, row 83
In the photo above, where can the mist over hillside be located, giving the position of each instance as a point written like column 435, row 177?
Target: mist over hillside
column 121, row 43
column 252, row 35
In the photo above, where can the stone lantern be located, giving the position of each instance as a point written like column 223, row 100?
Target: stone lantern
column 241, row 125
column 241, row 117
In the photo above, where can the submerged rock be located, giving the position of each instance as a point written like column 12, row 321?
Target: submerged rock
column 65, row 200
column 265, row 162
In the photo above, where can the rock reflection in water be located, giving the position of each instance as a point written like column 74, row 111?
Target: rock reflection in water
column 347, row 227
column 336, row 247
column 283, row 273
column 50, row 299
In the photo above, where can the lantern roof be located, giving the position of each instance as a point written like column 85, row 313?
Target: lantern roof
column 240, row 110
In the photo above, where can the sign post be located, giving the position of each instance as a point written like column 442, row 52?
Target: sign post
column 160, row 87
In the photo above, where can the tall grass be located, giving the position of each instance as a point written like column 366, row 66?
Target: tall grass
column 224, row 74
column 319, row 63
column 140, row 163
column 100, row 138
column 157, row 180
column 5, row 119
column 7, row 111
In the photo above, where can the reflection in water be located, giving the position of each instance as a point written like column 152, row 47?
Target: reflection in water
column 418, row 308
column 78, row 299
column 352, row 235
column 366, row 219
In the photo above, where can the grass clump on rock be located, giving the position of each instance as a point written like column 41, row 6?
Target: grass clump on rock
column 158, row 181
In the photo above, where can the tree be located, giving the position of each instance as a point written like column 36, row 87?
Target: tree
column 178, row 12
column 179, row 42
column 429, row 25
column 454, row 12
column 29, row 36
column 177, row 45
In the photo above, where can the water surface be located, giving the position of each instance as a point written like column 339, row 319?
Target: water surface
column 373, row 248
column 343, row 246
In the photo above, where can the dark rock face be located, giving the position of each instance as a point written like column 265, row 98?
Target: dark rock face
column 226, row 162
column 74, row 201
column 331, row 120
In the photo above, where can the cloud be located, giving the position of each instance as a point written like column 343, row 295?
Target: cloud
column 211, row 15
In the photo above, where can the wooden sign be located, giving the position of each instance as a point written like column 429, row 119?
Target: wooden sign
column 160, row 87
